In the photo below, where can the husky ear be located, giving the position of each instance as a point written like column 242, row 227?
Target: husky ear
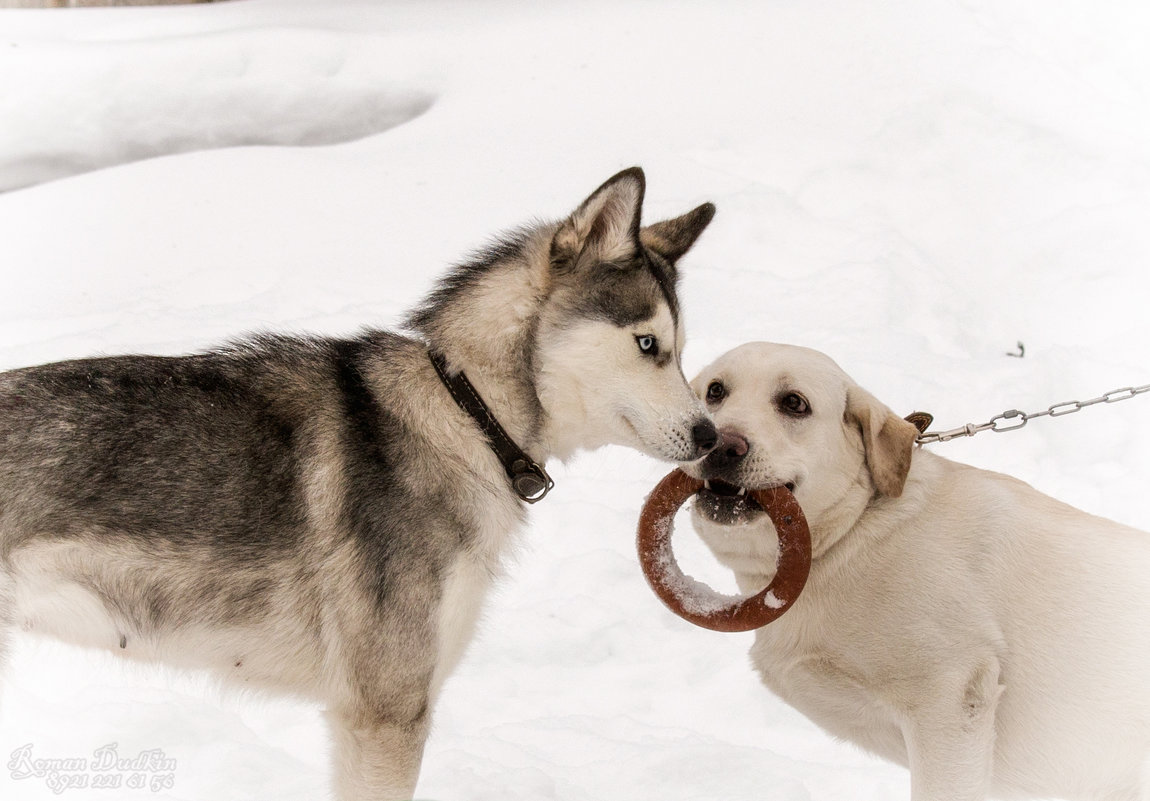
column 605, row 228
column 672, row 238
column 887, row 438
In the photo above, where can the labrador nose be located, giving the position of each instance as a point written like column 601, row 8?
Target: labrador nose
column 730, row 451
column 705, row 436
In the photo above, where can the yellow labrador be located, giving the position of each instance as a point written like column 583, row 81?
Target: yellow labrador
column 957, row 621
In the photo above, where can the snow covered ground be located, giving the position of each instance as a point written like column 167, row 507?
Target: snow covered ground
column 913, row 187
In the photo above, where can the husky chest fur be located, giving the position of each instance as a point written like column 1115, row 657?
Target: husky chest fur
column 319, row 516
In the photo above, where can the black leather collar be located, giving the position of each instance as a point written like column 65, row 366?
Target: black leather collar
column 529, row 480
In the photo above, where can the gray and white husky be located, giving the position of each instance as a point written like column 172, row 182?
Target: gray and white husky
column 319, row 516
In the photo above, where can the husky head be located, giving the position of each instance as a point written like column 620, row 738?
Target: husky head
column 572, row 330
column 609, row 340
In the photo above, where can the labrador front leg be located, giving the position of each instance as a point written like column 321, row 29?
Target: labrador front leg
column 950, row 739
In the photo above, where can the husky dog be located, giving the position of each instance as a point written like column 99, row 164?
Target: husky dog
column 956, row 620
column 319, row 516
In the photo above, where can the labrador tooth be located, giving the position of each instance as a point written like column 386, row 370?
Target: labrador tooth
column 706, row 485
column 742, row 491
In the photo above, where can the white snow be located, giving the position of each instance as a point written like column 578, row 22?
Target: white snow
column 774, row 601
column 912, row 187
column 268, row 87
column 693, row 596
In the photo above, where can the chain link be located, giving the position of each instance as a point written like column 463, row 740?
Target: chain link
column 1013, row 419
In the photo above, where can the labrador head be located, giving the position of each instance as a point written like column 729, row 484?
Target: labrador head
column 790, row 416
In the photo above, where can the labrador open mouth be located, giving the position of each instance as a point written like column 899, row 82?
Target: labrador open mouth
column 727, row 504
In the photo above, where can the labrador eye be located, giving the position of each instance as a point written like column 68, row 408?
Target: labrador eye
column 648, row 345
column 794, row 404
column 716, row 392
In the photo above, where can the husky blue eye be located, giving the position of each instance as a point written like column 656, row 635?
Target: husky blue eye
column 648, row 344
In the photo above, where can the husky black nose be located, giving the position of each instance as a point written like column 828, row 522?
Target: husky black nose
column 705, row 436
column 730, row 451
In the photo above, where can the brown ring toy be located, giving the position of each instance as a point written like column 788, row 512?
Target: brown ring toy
column 696, row 602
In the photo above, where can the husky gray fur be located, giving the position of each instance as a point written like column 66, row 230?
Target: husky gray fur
column 316, row 515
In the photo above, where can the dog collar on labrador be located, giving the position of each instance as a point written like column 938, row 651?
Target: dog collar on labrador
column 528, row 478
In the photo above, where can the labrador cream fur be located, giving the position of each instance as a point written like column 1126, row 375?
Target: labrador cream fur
column 957, row 621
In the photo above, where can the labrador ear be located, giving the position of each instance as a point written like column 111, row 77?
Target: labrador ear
column 605, row 227
column 888, row 440
column 672, row 238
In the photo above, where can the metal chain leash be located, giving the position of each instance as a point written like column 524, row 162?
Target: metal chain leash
column 1019, row 419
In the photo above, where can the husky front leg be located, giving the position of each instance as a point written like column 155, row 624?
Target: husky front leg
column 380, row 713
column 950, row 738
column 378, row 754
column 7, row 617
column 380, row 709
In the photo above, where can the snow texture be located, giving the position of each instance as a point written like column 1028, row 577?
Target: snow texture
column 912, row 187
column 694, row 596
column 773, row 601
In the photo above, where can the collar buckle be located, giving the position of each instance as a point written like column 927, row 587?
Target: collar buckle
column 530, row 481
